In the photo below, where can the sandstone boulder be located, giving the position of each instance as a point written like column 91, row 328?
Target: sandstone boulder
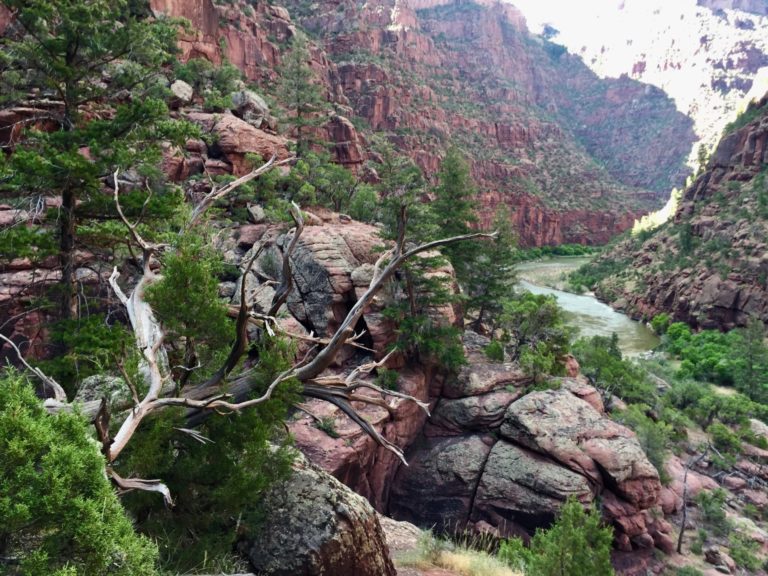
column 436, row 488
column 235, row 138
column 519, row 487
column 252, row 108
column 572, row 432
column 182, row 92
column 317, row 526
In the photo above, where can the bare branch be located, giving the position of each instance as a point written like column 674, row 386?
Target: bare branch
column 49, row 383
column 326, row 356
column 130, row 484
column 219, row 193
column 282, row 292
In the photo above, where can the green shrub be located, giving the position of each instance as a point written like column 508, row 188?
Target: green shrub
column 218, row 486
column 724, row 439
column 689, row 571
column 59, row 512
column 495, row 351
column 744, row 550
column 654, row 437
column 660, row 323
column 576, row 545
column 387, row 379
column 712, row 505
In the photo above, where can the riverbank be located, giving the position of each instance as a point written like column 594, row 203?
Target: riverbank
column 590, row 316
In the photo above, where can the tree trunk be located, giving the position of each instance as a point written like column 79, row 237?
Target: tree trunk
column 68, row 296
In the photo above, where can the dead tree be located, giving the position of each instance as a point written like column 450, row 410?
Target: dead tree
column 223, row 392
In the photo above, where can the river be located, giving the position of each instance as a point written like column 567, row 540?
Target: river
column 589, row 315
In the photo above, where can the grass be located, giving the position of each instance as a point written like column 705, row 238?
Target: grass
column 458, row 558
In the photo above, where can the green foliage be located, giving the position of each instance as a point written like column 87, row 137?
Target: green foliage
column 744, row 551
column 218, row 485
column 419, row 335
column 213, row 83
column 69, row 48
column 299, row 93
column 200, row 318
column 386, row 379
column 495, row 351
column 688, row 571
column 492, row 273
column 538, row 252
column 59, row 513
column 737, row 358
column 660, row 323
column 576, row 545
column 328, row 425
column 588, row 275
column 724, row 438
column 453, row 211
column 712, row 506
column 92, row 346
column 750, row 114
column 654, row 437
column 529, row 320
column 600, row 359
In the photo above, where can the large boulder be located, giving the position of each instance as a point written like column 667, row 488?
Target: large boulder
column 316, row 526
column 252, row 108
column 571, row 431
column 437, row 486
column 522, row 488
column 235, row 138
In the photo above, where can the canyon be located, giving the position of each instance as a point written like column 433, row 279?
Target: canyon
column 573, row 156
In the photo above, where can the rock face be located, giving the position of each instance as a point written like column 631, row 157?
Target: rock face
column 316, row 526
column 513, row 473
column 716, row 277
column 431, row 74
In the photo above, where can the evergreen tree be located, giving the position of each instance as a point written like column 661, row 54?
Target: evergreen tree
column 59, row 514
column 300, row 94
column 493, row 274
column 93, row 70
column 453, row 211
column 750, row 365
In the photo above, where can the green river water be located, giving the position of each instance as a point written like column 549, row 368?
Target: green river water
column 589, row 315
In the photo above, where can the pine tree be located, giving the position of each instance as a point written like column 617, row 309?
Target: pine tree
column 751, row 360
column 493, row 274
column 300, row 94
column 576, row 545
column 453, row 211
column 92, row 69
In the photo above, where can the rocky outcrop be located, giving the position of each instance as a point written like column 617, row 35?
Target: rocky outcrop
column 709, row 266
column 316, row 526
column 492, row 455
column 235, row 138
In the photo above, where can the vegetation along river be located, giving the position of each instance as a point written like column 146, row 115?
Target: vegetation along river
column 589, row 315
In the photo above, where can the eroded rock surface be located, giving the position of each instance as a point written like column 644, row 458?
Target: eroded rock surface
column 316, row 526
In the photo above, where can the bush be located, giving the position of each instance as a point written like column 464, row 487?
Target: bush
column 660, row 323
column 689, row 571
column 495, row 351
column 575, row 545
column 724, row 439
column 654, row 437
column 712, row 505
column 59, row 512
column 218, row 486
column 744, row 551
